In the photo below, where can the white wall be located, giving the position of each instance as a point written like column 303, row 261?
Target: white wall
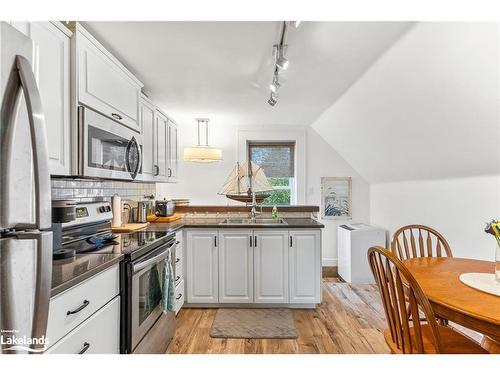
column 458, row 208
column 422, row 126
column 324, row 161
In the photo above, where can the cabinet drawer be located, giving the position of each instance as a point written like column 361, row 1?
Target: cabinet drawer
column 179, row 272
column 179, row 238
column 105, row 86
column 100, row 334
column 179, row 296
column 87, row 298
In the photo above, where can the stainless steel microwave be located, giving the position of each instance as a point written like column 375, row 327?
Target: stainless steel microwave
column 106, row 148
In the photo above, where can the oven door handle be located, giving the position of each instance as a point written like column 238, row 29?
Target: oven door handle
column 141, row 265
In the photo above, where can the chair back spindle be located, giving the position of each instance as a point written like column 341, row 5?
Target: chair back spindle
column 402, row 299
column 415, row 240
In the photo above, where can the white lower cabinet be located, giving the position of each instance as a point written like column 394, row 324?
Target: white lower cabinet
column 100, row 334
column 202, row 266
column 271, row 266
column 305, row 266
column 179, row 297
column 235, row 266
column 265, row 266
column 73, row 306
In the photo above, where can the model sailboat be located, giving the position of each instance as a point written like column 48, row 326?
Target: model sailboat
column 245, row 181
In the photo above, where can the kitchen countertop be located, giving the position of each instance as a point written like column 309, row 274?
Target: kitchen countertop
column 72, row 271
column 294, row 223
column 67, row 273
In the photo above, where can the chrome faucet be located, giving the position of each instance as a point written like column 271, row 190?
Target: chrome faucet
column 253, row 211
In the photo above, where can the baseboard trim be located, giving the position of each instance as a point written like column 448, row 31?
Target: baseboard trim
column 329, row 262
column 330, row 272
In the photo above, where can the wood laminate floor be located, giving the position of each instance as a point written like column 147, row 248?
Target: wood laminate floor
column 349, row 320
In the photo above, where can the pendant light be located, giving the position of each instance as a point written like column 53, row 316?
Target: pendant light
column 202, row 153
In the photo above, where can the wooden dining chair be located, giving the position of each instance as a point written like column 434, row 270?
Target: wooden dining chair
column 415, row 240
column 402, row 299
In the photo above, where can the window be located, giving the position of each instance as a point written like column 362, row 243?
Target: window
column 277, row 159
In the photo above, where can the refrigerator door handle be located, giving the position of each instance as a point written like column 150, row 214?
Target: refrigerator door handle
column 43, row 283
column 22, row 77
column 38, row 143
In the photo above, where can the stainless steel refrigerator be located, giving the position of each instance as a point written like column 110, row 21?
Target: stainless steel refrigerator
column 25, row 201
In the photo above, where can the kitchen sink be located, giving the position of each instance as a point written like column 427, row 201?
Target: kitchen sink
column 245, row 221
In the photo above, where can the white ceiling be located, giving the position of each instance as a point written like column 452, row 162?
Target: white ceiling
column 222, row 70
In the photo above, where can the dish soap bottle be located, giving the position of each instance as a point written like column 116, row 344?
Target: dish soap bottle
column 274, row 213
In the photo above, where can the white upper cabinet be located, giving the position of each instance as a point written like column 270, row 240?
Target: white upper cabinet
column 160, row 165
column 103, row 83
column 172, row 151
column 51, row 65
column 235, row 266
column 305, row 266
column 202, row 266
column 271, row 266
column 147, row 117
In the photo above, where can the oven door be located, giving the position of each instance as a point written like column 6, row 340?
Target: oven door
column 108, row 149
column 146, row 293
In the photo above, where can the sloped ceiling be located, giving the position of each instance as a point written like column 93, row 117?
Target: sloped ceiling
column 427, row 109
column 222, row 70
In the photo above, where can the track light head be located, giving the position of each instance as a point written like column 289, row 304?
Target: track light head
column 273, row 99
column 281, row 61
column 275, row 85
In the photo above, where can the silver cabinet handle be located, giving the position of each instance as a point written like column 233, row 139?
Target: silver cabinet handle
column 178, row 297
column 79, row 308
column 116, row 116
column 169, row 172
column 157, row 170
column 22, row 77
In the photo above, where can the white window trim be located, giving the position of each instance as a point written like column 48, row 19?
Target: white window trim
column 276, row 134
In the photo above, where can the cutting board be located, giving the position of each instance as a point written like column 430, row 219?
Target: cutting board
column 130, row 227
column 163, row 219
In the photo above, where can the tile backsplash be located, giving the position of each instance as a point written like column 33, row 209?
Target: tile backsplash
column 88, row 190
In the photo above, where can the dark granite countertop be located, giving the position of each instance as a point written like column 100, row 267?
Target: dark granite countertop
column 72, row 271
column 295, row 223
column 67, row 273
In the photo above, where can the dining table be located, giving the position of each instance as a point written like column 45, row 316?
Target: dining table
column 455, row 301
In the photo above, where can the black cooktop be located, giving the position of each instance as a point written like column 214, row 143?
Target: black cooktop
column 131, row 245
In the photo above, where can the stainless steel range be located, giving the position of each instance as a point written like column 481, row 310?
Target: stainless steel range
column 145, row 328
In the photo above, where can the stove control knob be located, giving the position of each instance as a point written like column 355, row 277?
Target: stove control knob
column 102, row 209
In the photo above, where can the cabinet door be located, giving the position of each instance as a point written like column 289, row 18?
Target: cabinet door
column 148, row 138
column 202, row 267
column 305, row 266
column 271, row 266
column 235, row 266
column 104, row 85
column 161, row 162
column 173, row 151
column 51, row 68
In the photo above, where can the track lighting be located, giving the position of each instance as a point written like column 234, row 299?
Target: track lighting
column 280, row 61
